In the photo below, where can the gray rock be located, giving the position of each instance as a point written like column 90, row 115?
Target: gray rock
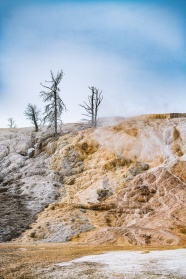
column 31, row 152
column 104, row 192
column 3, row 190
column 144, row 166
column 134, row 171
column 63, row 232
column 82, row 210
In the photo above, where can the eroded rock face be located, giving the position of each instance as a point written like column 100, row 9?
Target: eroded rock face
column 120, row 184
column 27, row 183
column 148, row 209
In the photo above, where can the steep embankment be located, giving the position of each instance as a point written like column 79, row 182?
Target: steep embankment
column 120, row 184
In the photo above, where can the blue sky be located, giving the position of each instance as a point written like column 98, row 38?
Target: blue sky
column 135, row 51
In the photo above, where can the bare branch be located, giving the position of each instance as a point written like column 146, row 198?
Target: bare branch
column 33, row 113
column 94, row 101
column 11, row 123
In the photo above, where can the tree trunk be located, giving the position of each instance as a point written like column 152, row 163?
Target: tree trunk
column 96, row 112
column 92, row 106
column 55, row 111
column 35, row 123
column 36, row 126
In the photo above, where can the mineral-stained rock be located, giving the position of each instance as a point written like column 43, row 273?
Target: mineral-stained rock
column 51, row 147
column 121, row 184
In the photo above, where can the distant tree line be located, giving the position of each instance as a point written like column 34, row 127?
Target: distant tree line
column 55, row 106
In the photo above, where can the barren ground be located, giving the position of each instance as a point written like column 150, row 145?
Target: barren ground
column 27, row 261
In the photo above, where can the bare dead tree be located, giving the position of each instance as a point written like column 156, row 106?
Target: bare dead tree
column 56, row 106
column 94, row 101
column 11, row 123
column 32, row 113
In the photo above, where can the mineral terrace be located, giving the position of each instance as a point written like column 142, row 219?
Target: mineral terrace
column 119, row 184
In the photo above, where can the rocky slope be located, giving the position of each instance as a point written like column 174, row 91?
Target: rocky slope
column 119, row 184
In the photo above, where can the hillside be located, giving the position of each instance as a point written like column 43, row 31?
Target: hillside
column 123, row 183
